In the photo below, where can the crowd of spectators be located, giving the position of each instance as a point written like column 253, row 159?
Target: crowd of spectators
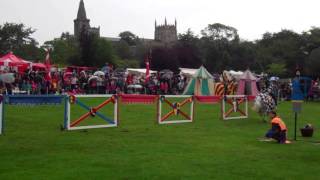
column 91, row 81
column 109, row 81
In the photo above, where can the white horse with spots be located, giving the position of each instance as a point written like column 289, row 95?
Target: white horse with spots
column 264, row 103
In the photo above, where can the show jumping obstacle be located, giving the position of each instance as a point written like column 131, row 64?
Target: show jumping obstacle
column 231, row 107
column 26, row 100
column 74, row 100
column 182, row 111
column 176, row 109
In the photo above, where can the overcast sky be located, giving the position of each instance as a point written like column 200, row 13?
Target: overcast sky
column 252, row 18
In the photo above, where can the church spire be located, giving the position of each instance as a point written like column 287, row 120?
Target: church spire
column 165, row 21
column 81, row 11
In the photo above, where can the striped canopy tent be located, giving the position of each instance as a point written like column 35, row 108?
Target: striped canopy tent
column 247, row 84
column 201, row 84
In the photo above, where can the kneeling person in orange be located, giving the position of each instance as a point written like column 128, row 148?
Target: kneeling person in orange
column 278, row 129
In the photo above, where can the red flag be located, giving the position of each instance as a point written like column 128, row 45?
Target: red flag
column 47, row 60
column 48, row 65
column 147, row 69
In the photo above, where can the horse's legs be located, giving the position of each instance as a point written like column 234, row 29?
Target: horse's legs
column 264, row 118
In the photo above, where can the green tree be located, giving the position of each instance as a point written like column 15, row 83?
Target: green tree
column 30, row 51
column 141, row 49
column 123, row 50
column 124, row 63
column 219, row 31
column 216, row 44
column 313, row 63
column 241, row 55
column 311, row 40
column 188, row 50
column 188, row 38
column 284, row 47
column 276, row 69
column 17, row 38
column 102, row 53
column 14, row 36
column 128, row 37
column 65, row 50
column 164, row 58
column 95, row 51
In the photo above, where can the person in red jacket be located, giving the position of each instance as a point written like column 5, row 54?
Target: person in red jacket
column 278, row 129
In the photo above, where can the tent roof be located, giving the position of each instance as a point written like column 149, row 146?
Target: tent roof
column 247, row 75
column 139, row 71
column 10, row 57
column 202, row 73
column 39, row 65
column 187, row 71
column 236, row 73
column 166, row 71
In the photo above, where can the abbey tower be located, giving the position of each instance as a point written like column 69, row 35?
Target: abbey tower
column 166, row 33
column 82, row 23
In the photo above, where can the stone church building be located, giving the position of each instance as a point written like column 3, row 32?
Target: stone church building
column 164, row 34
column 82, row 23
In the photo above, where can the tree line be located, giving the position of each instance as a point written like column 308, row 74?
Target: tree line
column 218, row 47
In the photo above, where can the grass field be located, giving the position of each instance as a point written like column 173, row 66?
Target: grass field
column 33, row 147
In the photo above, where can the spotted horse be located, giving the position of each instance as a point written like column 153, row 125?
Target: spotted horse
column 264, row 103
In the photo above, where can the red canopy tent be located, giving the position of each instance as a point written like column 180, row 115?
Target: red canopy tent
column 10, row 60
column 39, row 66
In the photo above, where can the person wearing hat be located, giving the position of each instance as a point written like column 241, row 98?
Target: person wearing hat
column 278, row 129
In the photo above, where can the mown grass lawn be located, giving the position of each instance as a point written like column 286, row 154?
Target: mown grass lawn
column 33, row 147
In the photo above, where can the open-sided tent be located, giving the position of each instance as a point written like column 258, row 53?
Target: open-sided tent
column 166, row 74
column 247, row 84
column 236, row 74
column 187, row 72
column 201, row 84
column 10, row 60
column 141, row 71
column 39, row 66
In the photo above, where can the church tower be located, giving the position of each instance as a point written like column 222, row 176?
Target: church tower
column 166, row 33
column 82, row 23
